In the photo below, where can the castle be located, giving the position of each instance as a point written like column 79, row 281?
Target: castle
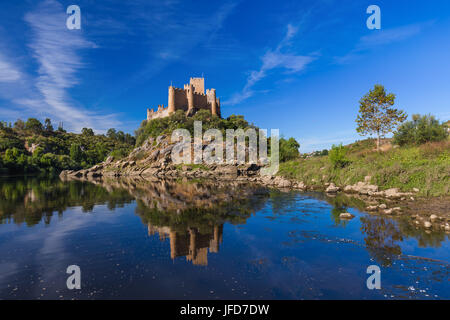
column 189, row 99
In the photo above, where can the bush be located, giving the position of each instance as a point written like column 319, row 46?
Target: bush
column 289, row 149
column 178, row 120
column 420, row 130
column 338, row 156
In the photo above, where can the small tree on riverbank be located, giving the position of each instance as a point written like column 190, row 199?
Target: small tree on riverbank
column 377, row 115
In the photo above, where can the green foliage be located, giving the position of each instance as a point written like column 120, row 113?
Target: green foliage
column 338, row 156
column 426, row 167
column 55, row 150
column 48, row 125
column 34, row 125
column 419, row 130
column 76, row 154
column 178, row 120
column 289, row 149
column 377, row 115
column 87, row 132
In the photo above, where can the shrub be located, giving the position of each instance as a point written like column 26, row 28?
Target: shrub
column 338, row 156
column 289, row 149
column 421, row 129
column 34, row 125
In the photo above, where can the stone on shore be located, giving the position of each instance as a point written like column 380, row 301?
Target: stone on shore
column 346, row 216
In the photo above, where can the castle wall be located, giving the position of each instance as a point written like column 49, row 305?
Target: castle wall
column 200, row 101
column 181, row 101
column 192, row 95
column 199, row 85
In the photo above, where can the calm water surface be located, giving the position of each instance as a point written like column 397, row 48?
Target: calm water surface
column 197, row 240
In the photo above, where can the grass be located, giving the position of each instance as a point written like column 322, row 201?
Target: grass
column 425, row 167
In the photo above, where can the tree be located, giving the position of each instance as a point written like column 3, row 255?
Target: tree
column 87, row 132
column 289, row 149
column 19, row 124
column 338, row 156
column 377, row 115
column 111, row 133
column 76, row 154
column 34, row 125
column 420, row 130
column 48, row 125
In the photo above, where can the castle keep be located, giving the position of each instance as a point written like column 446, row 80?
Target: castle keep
column 189, row 99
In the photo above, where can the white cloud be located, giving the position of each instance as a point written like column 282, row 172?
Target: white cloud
column 273, row 59
column 8, row 72
column 56, row 50
column 387, row 36
column 379, row 38
column 308, row 144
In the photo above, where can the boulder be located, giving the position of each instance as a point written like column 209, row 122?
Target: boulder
column 346, row 216
column 300, row 185
column 332, row 188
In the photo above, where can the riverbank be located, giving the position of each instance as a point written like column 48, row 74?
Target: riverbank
column 153, row 160
column 423, row 170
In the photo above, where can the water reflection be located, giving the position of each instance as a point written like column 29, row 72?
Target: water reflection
column 191, row 244
column 275, row 240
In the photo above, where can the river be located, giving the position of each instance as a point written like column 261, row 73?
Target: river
column 191, row 239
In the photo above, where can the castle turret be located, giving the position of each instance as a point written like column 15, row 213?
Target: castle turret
column 218, row 108
column 213, row 102
column 171, row 107
column 190, row 97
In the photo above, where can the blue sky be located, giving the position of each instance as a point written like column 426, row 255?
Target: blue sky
column 300, row 66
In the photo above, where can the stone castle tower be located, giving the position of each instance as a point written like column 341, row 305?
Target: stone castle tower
column 189, row 99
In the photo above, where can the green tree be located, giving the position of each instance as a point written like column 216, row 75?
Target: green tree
column 338, row 156
column 289, row 149
column 420, row 130
column 111, row 133
column 48, row 125
column 19, row 124
column 76, row 154
column 34, row 125
column 377, row 115
column 87, row 132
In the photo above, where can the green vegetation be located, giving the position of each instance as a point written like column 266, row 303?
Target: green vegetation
column 30, row 147
column 377, row 115
column 420, row 130
column 30, row 200
column 418, row 156
column 289, row 149
column 426, row 167
column 338, row 156
column 178, row 120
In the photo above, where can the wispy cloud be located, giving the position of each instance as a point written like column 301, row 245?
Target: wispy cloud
column 8, row 72
column 309, row 144
column 273, row 59
column 57, row 53
column 171, row 31
column 379, row 38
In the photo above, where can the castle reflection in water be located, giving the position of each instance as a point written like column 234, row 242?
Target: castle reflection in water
column 193, row 245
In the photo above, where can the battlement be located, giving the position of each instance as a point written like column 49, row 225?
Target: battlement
column 190, row 98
